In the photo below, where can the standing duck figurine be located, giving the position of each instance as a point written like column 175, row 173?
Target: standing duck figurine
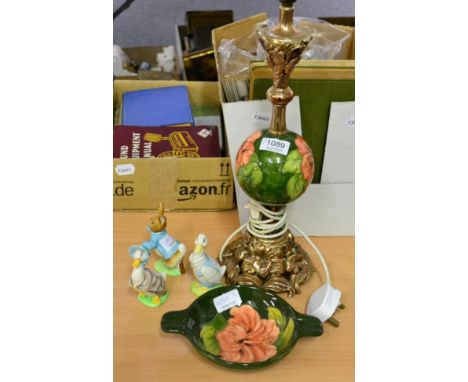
column 171, row 250
column 206, row 269
column 150, row 285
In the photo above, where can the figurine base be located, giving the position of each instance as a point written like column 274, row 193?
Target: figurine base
column 279, row 265
column 161, row 266
column 153, row 301
column 198, row 289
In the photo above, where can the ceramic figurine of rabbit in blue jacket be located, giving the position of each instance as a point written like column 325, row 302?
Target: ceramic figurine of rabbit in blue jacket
column 171, row 250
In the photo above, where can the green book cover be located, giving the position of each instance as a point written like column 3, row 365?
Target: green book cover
column 315, row 96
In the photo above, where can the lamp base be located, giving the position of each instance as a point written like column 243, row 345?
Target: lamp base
column 279, row 265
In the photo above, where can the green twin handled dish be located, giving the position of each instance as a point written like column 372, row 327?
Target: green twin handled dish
column 261, row 329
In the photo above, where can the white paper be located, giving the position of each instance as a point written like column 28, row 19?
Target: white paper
column 239, row 120
column 125, row 169
column 338, row 161
column 323, row 210
column 227, row 300
column 262, row 119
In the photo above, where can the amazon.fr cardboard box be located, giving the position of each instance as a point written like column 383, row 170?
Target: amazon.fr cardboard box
column 179, row 183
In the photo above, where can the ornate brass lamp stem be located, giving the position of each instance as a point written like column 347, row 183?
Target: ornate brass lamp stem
column 284, row 45
column 278, row 121
column 286, row 26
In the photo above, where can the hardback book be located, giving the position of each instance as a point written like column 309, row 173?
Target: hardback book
column 166, row 141
column 318, row 84
column 157, row 107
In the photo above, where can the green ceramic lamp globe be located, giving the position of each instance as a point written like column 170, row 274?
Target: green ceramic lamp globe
column 274, row 169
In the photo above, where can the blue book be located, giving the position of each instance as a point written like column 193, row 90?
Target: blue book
column 157, row 107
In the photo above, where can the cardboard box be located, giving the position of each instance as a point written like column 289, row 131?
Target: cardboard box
column 242, row 29
column 181, row 184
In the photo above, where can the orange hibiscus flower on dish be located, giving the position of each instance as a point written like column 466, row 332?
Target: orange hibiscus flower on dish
column 307, row 165
column 247, row 337
column 246, row 150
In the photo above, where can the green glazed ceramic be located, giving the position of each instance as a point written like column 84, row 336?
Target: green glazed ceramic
column 150, row 300
column 224, row 337
column 274, row 169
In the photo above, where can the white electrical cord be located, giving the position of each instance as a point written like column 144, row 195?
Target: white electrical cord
column 265, row 229
column 319, row 254
column 325, row 300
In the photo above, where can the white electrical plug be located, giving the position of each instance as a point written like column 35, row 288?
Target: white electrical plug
column 324, row 302
column 326, row 299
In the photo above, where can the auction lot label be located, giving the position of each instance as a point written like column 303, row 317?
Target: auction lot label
column 275, row 145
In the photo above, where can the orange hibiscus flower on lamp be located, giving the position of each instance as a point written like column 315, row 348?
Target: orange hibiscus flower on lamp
column 246, row 150
column 307, row 165
column 244, row 154
column 247, row 337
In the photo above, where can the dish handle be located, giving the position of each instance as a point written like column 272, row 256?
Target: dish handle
column 309, row 326
column 175, row 322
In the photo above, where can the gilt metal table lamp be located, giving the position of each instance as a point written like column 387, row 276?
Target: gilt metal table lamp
column 274, row 167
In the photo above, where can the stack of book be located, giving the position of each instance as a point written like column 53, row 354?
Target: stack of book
column 160, row 123
column 167, row 141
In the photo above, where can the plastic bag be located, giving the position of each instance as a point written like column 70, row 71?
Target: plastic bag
column 235, row 62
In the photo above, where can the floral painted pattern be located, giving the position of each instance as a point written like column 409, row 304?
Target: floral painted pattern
column 272, row 175
column 246, row 337
column 307, row 165
column 246, row 150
